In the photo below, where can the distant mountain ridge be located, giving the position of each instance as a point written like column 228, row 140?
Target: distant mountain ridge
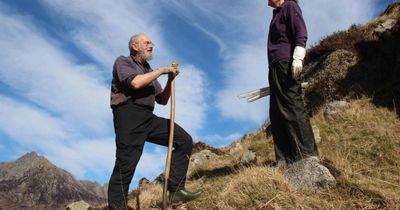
column 33, row 182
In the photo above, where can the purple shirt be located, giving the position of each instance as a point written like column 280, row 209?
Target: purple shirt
column 124, row 71
column 287, row 30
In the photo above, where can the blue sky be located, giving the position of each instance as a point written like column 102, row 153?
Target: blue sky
column 56, row 60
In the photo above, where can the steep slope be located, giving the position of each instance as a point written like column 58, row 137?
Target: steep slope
column 32, row 182
column 360, row 144
column 361, row 61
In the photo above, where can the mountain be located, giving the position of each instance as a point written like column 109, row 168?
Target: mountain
column 32, row 182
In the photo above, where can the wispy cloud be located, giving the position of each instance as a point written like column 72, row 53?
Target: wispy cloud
column 190, row 105
column 36, row 69
column 102, row 28
column 221, row 141
column 35, row 129
column 152, row 164
column 325, row 17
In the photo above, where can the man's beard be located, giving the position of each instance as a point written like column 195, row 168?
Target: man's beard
column 145, row 55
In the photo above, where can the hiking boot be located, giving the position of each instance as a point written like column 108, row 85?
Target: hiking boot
column 184, row 196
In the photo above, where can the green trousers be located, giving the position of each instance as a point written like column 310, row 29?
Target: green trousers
column 291, row 129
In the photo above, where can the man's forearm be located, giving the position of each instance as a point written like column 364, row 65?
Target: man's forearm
column 163, row 97
column 143, row 80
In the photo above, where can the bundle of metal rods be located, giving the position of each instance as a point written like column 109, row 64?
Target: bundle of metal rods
column 255, row 94
column 262, row 92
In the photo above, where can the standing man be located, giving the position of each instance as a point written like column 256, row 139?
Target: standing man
column 291, row 129
column 134, row 91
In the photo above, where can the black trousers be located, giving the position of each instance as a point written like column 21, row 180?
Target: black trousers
column 291, row 128
column 133, row 126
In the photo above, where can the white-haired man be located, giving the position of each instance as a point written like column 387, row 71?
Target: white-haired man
column 134, row 91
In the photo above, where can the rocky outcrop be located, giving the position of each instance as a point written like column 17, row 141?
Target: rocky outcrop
column 363, row 61
column 325, row 75
column 200, row 158
column 32, row 182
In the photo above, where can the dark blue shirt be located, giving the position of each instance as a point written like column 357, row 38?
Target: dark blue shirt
column 287, row 30
column 124, row 71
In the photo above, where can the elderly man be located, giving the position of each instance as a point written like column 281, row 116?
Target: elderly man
column 134, row 91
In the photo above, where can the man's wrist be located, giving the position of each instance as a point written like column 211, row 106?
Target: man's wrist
column 161, row 70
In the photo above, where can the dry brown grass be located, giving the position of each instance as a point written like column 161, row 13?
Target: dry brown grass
column 149, row 197
column 364, row 144
column 361, row 147
column 361, row 144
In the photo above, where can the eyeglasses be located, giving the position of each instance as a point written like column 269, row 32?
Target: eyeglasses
column 147, row 43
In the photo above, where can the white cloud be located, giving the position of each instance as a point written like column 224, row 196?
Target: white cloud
column 190, row 103
column 245, row 71
column 29, row 126
column 333, row 16
column 221, row 141
column 36, row 69
column 83, row 156
column 152, row 163
column 102, row 28
column 36, row 130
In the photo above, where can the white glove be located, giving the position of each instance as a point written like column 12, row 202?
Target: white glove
column 298, row 57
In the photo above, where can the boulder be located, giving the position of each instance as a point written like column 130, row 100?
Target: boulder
column 309, row 174
column 235, row 148
column 248, row 157
column 200, row 158
column 80, row 205
column 334, row 108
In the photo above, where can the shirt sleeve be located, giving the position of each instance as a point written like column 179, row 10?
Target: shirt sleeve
column 125, row 70
column 157, row 87
column 296, row 23
column 157, row 90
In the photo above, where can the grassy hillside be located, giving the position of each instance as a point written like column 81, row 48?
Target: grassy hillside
column 360, row 146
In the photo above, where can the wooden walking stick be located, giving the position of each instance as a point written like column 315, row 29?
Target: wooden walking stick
column 170, row 141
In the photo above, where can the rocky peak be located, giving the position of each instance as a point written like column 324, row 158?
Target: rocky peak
column 29, row 161
column 33, row 182
column 32, row 160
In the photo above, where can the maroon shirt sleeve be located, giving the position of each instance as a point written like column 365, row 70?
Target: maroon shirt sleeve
column 125, row 72
column 296, row 22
